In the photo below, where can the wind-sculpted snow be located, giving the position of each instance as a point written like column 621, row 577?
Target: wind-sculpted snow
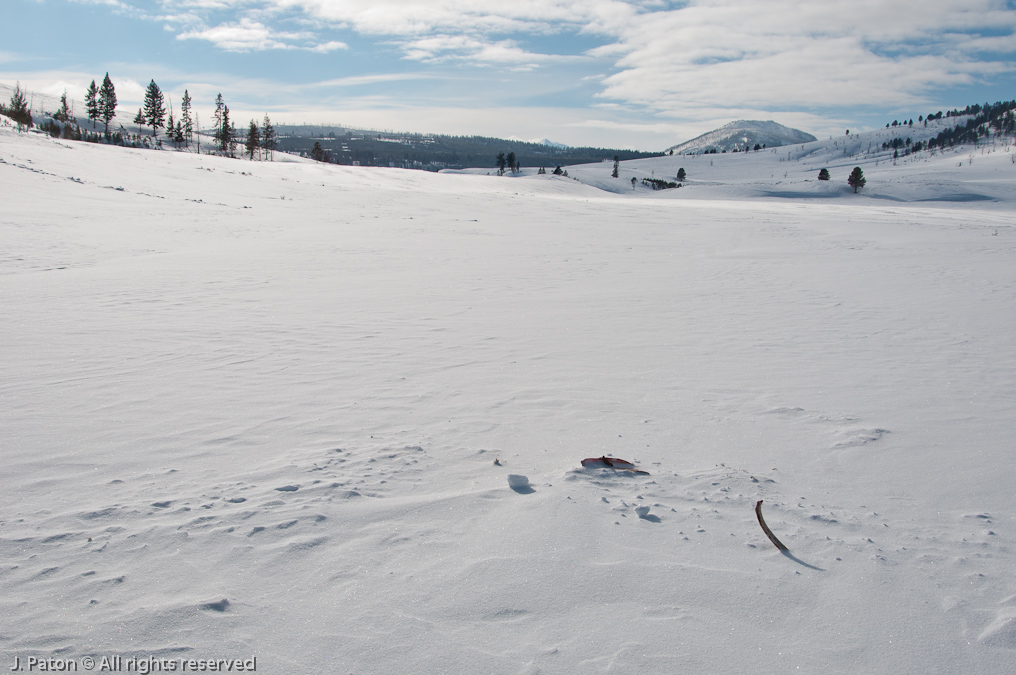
column 286, row 410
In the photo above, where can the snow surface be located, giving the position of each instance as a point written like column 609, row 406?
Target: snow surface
column 254, row 408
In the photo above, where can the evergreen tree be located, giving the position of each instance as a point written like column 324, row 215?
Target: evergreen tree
column 856, row 179
column 219, row 135
column 92, row 103
column 268, row 138
column 155, row 110
column 617, row 167
column 317, row 153
column 178, row 133
column 222, row 133
column 633, row 181
column 18, row 110
column 511, row 161
column 823, row 174
column 500, row 162
column 682, row 175
column 558, row 172
column 139, row 119
column 542, row 171
column 64, row 113
column 107, row 102
column 185, row 118
column 233, row 138
column 170, row 124
column 253, row 140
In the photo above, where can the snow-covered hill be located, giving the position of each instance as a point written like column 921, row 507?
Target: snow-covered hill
column 741, row 135
column 253, row 409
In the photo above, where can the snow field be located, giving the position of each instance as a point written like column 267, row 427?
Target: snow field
column 287, row 390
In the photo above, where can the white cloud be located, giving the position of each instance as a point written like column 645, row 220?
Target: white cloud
column 243, row 36
column 439, row 48
column 361, row 80
column 418, row 17
column 785, row 54
column 328, row 47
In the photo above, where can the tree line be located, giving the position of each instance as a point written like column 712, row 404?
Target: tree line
column 101, row 105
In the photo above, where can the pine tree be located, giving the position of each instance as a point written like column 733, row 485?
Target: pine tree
column 178, row 134
column 170, row 124
column 107, row 102
column 64, row 113
column 222, row 133
column 511, row 161
column 856, row 179
column 92, row 103
column 253, row 140
column 317, row 153
column 617, row 167
column 268, row 138
column 139, row 119
column 18, row 109
column 155, row 110
column 500, row 162
column 233, row 138
column 185, row 117
column 219, row 135
column 682, row 175
column 823, row 174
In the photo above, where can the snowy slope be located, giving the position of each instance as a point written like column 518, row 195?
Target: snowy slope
column 983, row 174
column 740, row 135
column 253, row 409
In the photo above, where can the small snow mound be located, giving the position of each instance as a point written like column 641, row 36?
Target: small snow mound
column 642, row 511
column 857, row 437
column 1002, row 631
column 288, row 488
column 217, row 606
column 516, row 480
column 519, row 483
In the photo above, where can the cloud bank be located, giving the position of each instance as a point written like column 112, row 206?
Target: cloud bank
column 674, row 59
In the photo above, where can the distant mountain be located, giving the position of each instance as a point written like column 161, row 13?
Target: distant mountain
column 560, row 146
column 743, row 135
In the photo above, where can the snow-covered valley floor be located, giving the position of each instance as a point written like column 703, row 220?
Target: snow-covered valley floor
column 253, row 409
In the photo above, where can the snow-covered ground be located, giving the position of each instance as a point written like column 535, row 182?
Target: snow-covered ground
column 254, row 409
column 986, row 173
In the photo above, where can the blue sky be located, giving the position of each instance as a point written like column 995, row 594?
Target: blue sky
column 608, row 73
